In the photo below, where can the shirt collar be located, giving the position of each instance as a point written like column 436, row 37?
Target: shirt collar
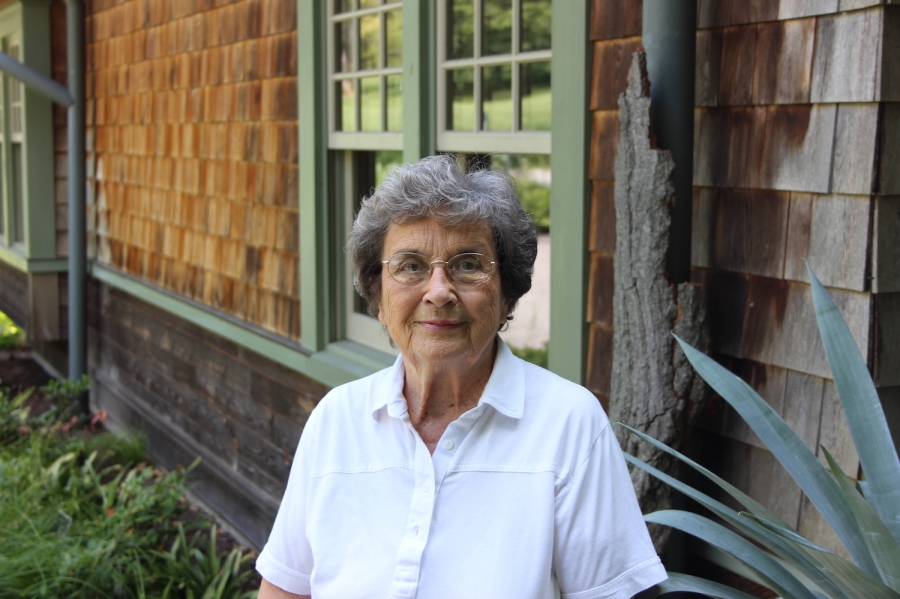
column 505, row 389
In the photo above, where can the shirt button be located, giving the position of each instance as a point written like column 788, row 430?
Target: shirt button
column 425, row 487
column 448, row 444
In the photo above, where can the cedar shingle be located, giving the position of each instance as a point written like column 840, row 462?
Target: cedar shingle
column 600, row 291
column 603, row 218
column 792, row 9
column 612, row 59
column 750, row 231
column 798, row 147
column 616, row 18
column 854, row 148
column 846, row 63
column 735, row 79
column 722, row 13
column 728, row 146
column 839, row 240
column 783, row 64
column 603, row 147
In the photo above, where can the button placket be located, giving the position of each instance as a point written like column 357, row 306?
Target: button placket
column 421, row 508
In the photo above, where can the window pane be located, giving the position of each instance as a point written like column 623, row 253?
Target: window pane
column 369, row 3
column 496, row 106
column 2, row 211
column 342, row 6
column 345, row 93
column 368, row 42
column 460, row 89
column 16, row 192
column 496, row 31
column 394, row 102
column 370, row 110
column 394, row 31
column 535, row 106
column 460, row 28
column 535, row 32
column 385, row 160
column 342, row 48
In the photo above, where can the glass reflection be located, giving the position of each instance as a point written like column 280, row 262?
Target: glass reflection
column 394, row 102
column 370, row 108
column 460, row 29
column 496, row 105
column 461, row 88
column 496, row 30
column 346, row 96
column 394, row 32
column 368, row 42
column 369, row 3
column 342, row 48
column 535, row 103
column 535, row 32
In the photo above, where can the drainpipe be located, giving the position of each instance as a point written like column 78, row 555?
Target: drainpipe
column 669, row 38
column 77, row 241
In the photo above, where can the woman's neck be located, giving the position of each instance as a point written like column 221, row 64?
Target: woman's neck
column 438, row 393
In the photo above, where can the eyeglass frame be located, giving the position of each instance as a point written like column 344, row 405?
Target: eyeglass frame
column 445, row 263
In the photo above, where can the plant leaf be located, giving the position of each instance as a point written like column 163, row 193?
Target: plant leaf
column 790, row 450
column 862, row 407
column 881, row 543
column 741, row 497
column 692, row 584
column 844, row 573
column 773, row 574
column 788, row 551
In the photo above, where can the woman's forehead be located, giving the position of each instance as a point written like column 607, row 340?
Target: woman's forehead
column 427, row 236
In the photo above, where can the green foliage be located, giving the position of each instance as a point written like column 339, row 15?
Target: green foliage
column 85, row 516
column 536, row 355
column 867, row 523
column 11, row 335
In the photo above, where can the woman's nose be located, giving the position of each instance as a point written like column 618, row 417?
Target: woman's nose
column 440, row 290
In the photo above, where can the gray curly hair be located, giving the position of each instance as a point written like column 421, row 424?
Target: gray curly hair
column 439, row 188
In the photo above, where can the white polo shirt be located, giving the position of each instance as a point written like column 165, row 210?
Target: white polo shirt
column 525, row 491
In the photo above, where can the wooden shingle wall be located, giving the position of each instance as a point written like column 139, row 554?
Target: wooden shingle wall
column 193, row 150
column 796, row 159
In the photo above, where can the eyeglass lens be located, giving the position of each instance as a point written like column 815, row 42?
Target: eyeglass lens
column 411, row 268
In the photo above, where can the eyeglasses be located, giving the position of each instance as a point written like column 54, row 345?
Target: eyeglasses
column 410, row 268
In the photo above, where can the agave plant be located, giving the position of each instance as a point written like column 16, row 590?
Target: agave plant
column 865, row 516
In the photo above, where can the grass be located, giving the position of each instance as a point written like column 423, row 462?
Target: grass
column 536, row 355
column 11, row 335
column 85, row 515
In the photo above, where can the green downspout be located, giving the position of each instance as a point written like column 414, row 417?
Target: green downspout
column 669, row 38
column 77, row 235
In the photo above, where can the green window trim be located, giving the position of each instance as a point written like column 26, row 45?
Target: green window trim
column 28, row 23
column 15, row 258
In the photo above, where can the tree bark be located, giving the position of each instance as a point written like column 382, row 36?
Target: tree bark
column 654, row 389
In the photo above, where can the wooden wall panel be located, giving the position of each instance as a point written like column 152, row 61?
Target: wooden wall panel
column 195, row 142
column 202, row 395
column 58, row 70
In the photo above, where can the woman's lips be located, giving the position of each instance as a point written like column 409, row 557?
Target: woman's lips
column 441, row 325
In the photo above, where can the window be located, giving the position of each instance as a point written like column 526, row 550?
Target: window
column 27, row 190
column 400, row 80
column 493, row 84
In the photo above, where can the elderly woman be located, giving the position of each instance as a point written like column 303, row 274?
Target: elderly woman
column 461, row 470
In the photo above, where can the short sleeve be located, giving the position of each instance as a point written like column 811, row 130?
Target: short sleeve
column 286, row 561
column 602, row 547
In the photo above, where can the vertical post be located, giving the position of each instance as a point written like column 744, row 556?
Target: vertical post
column 669, row 38
column 77, row 246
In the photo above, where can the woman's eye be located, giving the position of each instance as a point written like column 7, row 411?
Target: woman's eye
column 467, row 265
column 411, row 267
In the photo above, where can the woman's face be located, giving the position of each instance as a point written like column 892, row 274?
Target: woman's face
column 441, row 320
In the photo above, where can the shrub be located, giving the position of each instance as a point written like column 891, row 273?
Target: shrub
column 75, row 521
column 865, row 516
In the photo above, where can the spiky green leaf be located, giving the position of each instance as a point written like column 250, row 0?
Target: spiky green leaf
column 789, row 449
column 862, row 407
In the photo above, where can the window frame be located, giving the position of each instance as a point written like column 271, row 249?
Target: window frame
column 27, row 22
column 321, row 260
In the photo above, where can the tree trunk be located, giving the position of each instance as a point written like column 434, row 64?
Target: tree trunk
column 654, row 388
